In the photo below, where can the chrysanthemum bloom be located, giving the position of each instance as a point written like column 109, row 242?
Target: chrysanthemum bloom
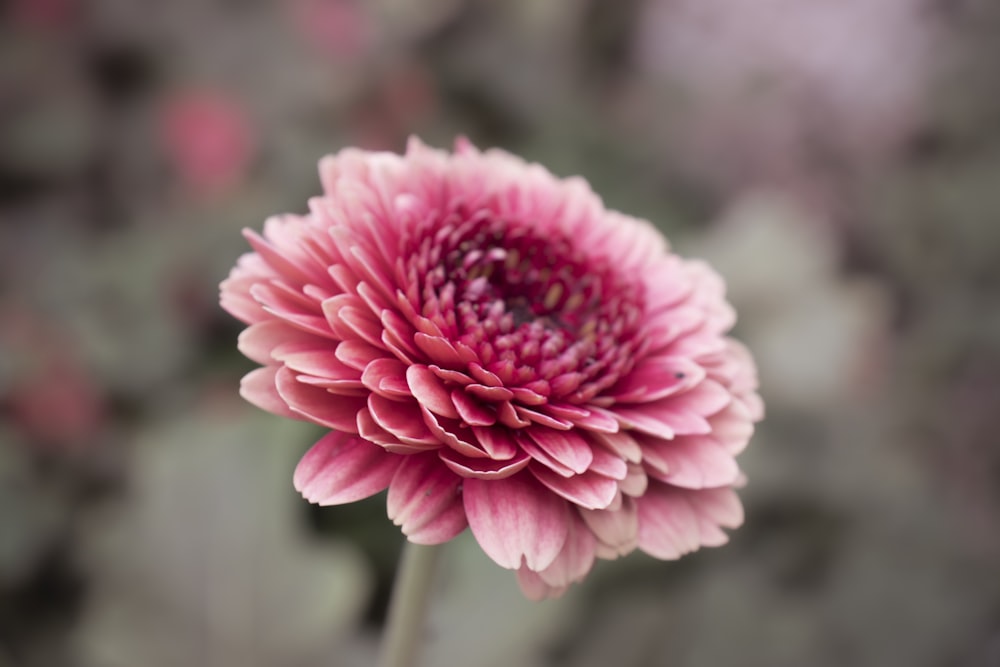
column 497, row 349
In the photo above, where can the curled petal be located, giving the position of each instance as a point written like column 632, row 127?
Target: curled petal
column 318, row 405
column 589, row 490
column 342, row 468
column 480, row 468
column 428, row 388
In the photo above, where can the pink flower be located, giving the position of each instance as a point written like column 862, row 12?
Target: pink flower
column 501, row 352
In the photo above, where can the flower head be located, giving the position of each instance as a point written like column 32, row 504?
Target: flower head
column 501, row 352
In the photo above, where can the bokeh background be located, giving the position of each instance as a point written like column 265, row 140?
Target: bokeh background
column 837, row 160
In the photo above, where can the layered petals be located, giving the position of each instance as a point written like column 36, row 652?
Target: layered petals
column 499, row 351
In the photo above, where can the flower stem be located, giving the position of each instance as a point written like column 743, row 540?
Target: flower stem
column 407, row 609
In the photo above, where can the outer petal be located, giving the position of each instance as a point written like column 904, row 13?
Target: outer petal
column 516, row 520
column 425, row 499
column 318, row 405
column 573, row 563
column 343, row 468
column 258, row 388
column 675, row 521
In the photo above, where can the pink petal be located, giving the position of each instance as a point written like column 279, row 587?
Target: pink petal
column 566, row 447
column 258, row 340
column 575, row 559
column 534, row 587
column 497, row 442
column 607, row 463
column 656, row 378
column 440, row 351
column 663, row 421
column 636, row 481
column 257, row 387
column 386, row 377
column 705, row 399
column 358, row 354
column 402, row 419
column 516, row 521
column 319, row 405
column 590, row 418
column 372, row 432
column 733, row 427
column 622, row 443
column 543, row 419
column 279, row 300
column 692, row 462
column 472, row 411
column 453, row 434
column 668, row 525
column 588, row 490
column 617, row 529
column 430, row 391
column 481, row 468
column 425, row 499
column 675, row 521
column 341, row 468
column 490, row 393
column 397, row 335
column 508, row 416
column 320, row 363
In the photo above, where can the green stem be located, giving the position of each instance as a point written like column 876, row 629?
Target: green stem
column 407, row 609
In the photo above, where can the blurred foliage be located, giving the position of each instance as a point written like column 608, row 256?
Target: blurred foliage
column 838, row 162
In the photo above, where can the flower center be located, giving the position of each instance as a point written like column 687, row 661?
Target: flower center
column 533, row 308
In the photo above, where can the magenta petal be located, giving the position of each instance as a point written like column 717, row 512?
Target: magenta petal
column 566, row 447
column 341, row 468
column 440, row 351
column 480, row 468
column 590, row 418
column 497, row 442
column 258, row 388
column 516, row 520
column 544, row 419
column 430, row 391
column 318, row 405
column 588, row 490
column 471, row 411
column 403, row 419
column 452, row 433
column 425, row 500
column 386, row 377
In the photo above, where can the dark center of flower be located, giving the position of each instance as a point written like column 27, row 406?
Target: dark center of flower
column 533, row 308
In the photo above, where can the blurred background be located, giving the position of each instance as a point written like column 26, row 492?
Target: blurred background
column 837, row 160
